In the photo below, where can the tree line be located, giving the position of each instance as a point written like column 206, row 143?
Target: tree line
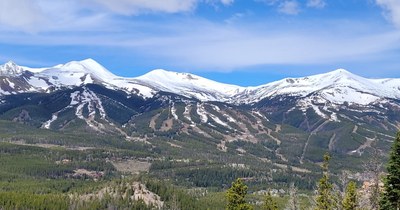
column 328, row 198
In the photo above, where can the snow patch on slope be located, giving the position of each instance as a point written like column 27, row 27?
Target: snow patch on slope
column 39, row 83
column 47, row 124
column 202, row 113
column 87, row 98
column 173, row 112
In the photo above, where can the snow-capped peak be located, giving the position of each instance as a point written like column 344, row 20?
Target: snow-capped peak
column 340, row 71
column 166, row 78
column 189, row 85
column 10, row 69
column 88, row 66
column 340, row 76
column 337, row 86
column 76, row 73
column 169, row 76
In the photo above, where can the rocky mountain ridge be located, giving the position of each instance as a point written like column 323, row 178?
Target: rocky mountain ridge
column 336, row 87
column 292, row 121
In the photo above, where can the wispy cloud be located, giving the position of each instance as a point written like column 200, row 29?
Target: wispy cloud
column 227, row 2
column 268, row 2
column 319, row 4
column 229, row 49
column 289, row 7
column 226, row 47
column 132, row 7
column 21, row 14
column 35, row 16
column 235, row 17
column 195, row 42
column 293, row 7
column 392, row 10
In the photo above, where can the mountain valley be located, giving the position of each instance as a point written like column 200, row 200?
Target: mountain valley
column 196, row 132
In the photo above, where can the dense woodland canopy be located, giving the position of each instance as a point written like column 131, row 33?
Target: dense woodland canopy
column 39, row 169
column 34, row 184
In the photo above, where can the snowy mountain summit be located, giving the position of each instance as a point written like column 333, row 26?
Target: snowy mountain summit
column 335, row 87
column 10, row 69
column 88, row 66
column 188, row 85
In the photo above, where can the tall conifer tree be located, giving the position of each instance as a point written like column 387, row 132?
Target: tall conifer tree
column 269, row 203
column 236, row 196
column 391, row 194
column 350, row 201
column 325, row 199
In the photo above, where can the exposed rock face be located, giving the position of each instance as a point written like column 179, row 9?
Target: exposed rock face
column 23, row 117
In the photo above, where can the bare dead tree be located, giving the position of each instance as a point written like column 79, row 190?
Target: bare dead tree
column 293, row 203
column 373, row 167
column 339, row 189
column 344, row 180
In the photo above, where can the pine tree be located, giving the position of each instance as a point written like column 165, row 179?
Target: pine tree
column 269, row 203
column 325, row 200
column 236, row 196
column 350, row 201
column 391, row 195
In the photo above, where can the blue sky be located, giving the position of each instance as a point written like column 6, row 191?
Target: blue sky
column 244, row 42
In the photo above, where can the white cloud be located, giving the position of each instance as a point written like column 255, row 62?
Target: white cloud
column 34, row 16
column 132, row 7
column 319, row 4
column 227, row 2
column 192, row 43
column 228, row 47
column 21, row 14
column 268, row 2
column 54, row 15
column 392, row 10
column 235, row 18
column 289, row 7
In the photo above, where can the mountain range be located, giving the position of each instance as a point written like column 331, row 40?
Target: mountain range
column 335, row 87
column 292, row 121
